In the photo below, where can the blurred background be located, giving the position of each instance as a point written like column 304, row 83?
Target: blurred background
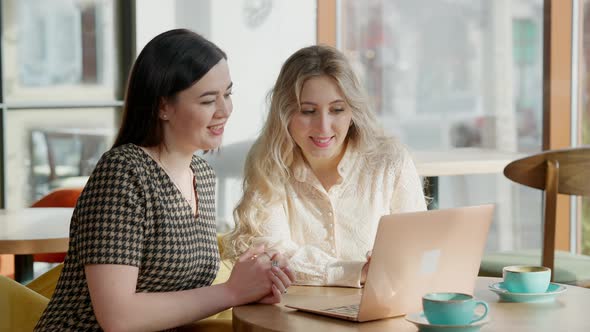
column 441, row 74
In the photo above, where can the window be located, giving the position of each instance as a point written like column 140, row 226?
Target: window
column 58, row 50
column 60, row 82
column 51, row 148
column 458, row 74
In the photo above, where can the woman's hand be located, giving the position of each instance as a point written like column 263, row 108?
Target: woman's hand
column 250, row 277
column 281, row 277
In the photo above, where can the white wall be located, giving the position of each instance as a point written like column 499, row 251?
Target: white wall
column 152, row 18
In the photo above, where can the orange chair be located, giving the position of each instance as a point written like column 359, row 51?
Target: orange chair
column 63, row 197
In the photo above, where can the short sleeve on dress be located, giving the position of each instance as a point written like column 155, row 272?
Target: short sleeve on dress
column 110, row 214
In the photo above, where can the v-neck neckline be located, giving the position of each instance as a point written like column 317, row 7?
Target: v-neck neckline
column 195, row 188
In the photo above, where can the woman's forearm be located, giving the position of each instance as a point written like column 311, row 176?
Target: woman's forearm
column 158, row 311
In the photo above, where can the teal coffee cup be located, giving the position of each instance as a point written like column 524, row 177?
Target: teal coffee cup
column 452, row 308
column 526, row 279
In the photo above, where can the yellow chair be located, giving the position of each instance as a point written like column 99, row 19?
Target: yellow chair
column 45, row 283
column 20, row 307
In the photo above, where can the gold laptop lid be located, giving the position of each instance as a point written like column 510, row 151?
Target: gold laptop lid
column 421, row 252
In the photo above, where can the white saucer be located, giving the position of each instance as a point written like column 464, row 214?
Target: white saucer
column 553, row 291
column 423, row 325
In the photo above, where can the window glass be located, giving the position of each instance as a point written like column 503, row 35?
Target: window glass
column 458, row 74
column 58, row 50
column 49, row 149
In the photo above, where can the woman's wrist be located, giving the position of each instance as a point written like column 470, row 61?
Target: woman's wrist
column 229, row 293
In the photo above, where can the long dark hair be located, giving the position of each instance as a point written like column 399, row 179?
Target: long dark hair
column 171, row 62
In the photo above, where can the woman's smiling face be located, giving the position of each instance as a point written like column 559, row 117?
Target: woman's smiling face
column 196, row 117
column 321, row 125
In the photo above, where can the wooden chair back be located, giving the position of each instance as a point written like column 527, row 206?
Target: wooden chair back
column 555, row 172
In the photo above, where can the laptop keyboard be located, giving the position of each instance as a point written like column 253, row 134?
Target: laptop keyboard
column 347, row 310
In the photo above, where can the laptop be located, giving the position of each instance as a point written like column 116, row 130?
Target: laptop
column 414, row 254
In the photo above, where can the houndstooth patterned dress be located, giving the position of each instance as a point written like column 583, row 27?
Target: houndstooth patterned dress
column 131, row 213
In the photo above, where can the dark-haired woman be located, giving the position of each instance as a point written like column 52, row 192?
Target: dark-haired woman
column 143, row 250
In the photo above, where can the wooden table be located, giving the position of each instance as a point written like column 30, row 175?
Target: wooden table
column 24, row 232
column 462, row 161
column 568, row 313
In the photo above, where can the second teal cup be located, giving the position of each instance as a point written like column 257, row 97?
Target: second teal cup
column 452, row 308
column 526, row 279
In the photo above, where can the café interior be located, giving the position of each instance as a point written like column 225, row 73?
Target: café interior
column 491, row 98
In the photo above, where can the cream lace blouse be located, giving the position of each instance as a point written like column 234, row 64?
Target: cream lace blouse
column 326, row 235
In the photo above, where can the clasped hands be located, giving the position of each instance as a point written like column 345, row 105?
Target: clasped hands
column 259, row 276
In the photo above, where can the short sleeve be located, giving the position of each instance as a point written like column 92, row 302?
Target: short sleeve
column 110, row 214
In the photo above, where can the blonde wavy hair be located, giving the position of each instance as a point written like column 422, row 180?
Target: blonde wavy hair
column 267, row 168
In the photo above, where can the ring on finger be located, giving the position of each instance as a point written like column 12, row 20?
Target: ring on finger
column 274, row 263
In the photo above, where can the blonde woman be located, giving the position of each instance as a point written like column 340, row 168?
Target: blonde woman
column 321, row 174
